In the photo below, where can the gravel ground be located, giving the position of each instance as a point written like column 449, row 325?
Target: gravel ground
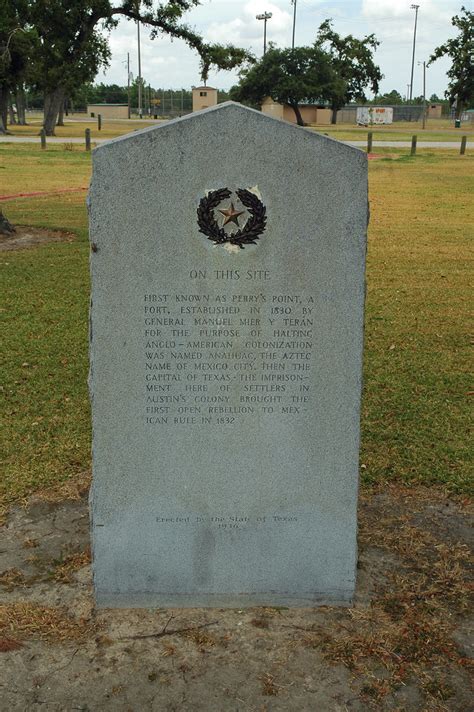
column 404, row 646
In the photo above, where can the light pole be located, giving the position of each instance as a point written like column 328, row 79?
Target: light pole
column 265, row 17
column 293, row 2
column 415, row 8
column 140, row 112
column 129, row 77
column 424, row 93
column 128, row 83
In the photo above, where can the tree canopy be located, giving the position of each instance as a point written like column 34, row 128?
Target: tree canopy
column 460, row 49
column 353, row 62
column 288, row 76
column 17, row 43
column 334, row 70
column 391, row 98
column 71, row 46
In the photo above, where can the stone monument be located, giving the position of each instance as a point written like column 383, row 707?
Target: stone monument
column 228, row 260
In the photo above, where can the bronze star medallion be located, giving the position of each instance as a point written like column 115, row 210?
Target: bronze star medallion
column 231, row 215
column 247, row 234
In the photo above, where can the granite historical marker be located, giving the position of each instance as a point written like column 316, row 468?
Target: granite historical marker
column 228, row 259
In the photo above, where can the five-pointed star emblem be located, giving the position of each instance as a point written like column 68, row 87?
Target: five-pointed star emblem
column 231, row 215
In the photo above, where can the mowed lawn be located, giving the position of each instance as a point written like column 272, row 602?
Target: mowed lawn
column 414, row 423
column 76, row 129
column 435, row 130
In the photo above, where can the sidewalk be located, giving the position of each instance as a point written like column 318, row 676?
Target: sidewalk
column 455, row 145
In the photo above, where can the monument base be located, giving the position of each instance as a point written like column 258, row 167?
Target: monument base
column 223, row 600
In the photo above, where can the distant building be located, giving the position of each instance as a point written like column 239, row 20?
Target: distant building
column 434, row 111
column 204, row 97
column 311, row 113
column 108, row 111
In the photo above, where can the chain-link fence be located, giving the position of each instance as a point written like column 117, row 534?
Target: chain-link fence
column 348, row 115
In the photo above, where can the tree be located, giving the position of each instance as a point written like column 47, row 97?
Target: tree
column 16, row 44
column 354, row 64
column 392, row 98
column 72, row 48
column 64, row 59
column 6, row 228
column 289, row 76
column 460, row 49
column 108, row 94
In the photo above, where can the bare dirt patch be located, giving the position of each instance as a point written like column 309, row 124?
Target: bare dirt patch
column 25, row 237
column 405, row 646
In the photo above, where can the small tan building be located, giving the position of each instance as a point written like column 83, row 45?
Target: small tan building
column 434, row 111
column 310, row 113
column 108, row 111
column 204, row 97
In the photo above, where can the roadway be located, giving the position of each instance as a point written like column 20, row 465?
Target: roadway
column 455, row 145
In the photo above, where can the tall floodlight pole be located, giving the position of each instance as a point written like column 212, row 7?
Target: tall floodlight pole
column 293, row 2
column 265, row 17
column 415, row 8
column 128, row 83
column 424, row 93
column 140, row 111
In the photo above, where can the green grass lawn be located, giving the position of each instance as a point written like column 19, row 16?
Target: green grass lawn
column 76, row 129
column 416, row 393
column 436, row 130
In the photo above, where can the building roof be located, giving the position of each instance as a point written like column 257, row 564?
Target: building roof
column 211, row 88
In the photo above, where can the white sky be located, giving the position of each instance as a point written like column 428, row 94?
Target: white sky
column 173, row 65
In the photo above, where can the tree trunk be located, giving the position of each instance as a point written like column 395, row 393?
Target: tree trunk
column 4, row 93
column 6, row 228
column 21, row 106
column 11, row 114
column 60, row 121
column 52, row 104
column 299, row 118
column 334, row 116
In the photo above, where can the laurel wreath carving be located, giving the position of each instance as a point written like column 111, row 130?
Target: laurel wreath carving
column 248, row 234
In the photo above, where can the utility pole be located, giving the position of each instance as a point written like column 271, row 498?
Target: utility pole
column 140, row 110
column 424, row 94
column 415, row 8
column 265, row 17
column 293, row 2
column 128, row 83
